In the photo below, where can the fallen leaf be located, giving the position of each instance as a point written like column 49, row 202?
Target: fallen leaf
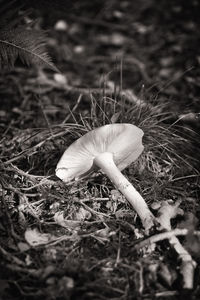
column 35, row 238
column 82, row 214
column 70, row 224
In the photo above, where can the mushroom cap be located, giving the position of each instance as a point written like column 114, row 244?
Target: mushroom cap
column 124, row 141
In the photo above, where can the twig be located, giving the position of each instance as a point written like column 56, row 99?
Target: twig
column 94, row 212
column 166, row 294
column 163, row 236
column 141, row 279
column 167, row 212
column 22, row 173
column 11, row 258
column 118, row 251
column 184, row 177
column 40, row 144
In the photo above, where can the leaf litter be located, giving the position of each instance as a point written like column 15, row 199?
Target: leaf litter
column 77, row 241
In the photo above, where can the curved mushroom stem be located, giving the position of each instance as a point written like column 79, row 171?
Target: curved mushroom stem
column 106, row 163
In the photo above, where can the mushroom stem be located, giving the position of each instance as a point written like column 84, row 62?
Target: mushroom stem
column 106, row 163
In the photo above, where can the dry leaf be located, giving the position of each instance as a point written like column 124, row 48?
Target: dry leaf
column 70, row 224
column 82, row 214
column 35, row 238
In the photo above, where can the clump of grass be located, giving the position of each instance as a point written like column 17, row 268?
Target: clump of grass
column 163, row 141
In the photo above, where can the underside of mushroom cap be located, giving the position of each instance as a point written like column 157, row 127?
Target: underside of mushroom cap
column 124, row 141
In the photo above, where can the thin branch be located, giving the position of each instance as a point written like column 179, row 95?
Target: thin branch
column 163, row 236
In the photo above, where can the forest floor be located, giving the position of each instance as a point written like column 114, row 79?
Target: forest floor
column 120, row 62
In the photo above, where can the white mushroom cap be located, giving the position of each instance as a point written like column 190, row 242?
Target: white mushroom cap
column 124, row 141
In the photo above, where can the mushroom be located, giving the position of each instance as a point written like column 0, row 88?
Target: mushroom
column 110, row 148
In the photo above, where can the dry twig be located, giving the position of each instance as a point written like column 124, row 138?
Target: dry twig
column 167, row 211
